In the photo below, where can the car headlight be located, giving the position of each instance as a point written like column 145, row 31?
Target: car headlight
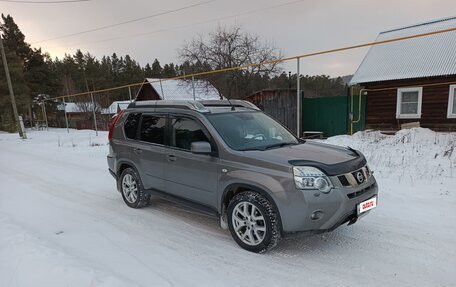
column 308, row 177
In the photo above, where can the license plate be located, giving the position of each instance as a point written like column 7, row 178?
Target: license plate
column 367, row 205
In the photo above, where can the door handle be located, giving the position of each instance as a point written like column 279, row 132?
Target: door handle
column 171, row 157
column 137, row 150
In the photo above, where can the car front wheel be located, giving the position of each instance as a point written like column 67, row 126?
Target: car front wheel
column 253, row 222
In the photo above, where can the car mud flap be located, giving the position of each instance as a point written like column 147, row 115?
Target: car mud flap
column 352, row 221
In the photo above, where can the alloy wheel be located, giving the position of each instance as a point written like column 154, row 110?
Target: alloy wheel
column 249, row 224
column 130, row 188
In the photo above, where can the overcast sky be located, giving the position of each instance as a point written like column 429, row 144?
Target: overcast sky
column 297, row 28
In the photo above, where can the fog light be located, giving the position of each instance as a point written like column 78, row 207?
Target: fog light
column 317, row 215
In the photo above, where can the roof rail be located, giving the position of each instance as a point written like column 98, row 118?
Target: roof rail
column 189, row 105
column 200, row 106
column 226, row 103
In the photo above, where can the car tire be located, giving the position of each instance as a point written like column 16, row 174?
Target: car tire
column 253, row 222
column 132, row 189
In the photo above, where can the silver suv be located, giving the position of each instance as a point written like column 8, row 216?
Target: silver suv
column 231, row 160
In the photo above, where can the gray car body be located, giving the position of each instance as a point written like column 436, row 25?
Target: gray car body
column 206, row 180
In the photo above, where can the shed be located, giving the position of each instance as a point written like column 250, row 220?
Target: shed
column 115, row 107
column 412, row 80
column 163, row 89
column 280, row 104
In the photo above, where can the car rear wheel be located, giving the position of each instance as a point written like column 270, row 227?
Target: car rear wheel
column 253, row 222
column 132, row 189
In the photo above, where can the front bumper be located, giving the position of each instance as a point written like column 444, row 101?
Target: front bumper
column 316, row 212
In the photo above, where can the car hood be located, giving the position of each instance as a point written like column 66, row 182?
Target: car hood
column 332, row 160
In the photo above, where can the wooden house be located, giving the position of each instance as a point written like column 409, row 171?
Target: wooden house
column 411, row 81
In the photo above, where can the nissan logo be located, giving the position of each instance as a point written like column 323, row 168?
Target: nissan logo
column 360, row 177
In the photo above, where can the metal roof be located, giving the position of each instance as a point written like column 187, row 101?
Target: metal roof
column 80, row 107
column 115, row 107
column 182, row 90
column 427, row 56
column 201, row 106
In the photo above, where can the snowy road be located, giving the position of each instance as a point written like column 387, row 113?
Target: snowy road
column 62, row 223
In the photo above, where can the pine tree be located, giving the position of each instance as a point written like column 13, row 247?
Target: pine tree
column 147, row 71
column 17, row 53
column 169, row 71
column 156, row 69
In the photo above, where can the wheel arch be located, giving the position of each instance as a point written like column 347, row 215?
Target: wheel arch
column 231, row 190
column 121, row 166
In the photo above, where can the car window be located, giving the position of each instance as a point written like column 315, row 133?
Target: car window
column 153, row 129
column 251, row 130
column 184, row 131
column 131, row 125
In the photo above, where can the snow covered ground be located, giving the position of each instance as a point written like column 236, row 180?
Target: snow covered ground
column 62, row 223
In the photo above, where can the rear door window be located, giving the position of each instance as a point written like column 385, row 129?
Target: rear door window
column 153, row 129
column 131, row 125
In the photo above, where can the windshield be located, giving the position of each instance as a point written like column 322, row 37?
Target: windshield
column 251, row 131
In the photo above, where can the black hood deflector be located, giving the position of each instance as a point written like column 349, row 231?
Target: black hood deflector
column 334, row 169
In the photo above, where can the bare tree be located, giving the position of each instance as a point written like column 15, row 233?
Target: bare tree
column 88, row 108
column 226, row 48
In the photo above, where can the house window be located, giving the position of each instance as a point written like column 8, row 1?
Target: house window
column 452, row 102
column 409, row 103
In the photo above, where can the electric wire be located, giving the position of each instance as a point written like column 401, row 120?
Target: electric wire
column 184, row 26
column 125, row 22
column 44, row 2
column 271, row 62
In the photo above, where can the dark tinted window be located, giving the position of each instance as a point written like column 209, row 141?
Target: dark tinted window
column 185, row 131
column 131, row 125
column 153, row 129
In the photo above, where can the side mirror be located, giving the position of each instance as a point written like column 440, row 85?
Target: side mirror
column 201, row 148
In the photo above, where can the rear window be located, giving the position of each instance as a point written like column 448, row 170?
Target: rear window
column 131, row 125
column 153, row 129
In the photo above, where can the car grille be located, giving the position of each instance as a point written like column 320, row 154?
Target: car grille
column 343, row 180
column 356, row 177
column 360, row 192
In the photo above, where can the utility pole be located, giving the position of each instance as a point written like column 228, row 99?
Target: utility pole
column 298, row 101
column 44, row 113
column 193, row 88
column 10, row 87
column 129, row 93
column 93, row 103
column 66, row 117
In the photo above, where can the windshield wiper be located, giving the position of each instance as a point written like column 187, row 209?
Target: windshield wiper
column 279, row 145
column 262, row 148
column 251, row 148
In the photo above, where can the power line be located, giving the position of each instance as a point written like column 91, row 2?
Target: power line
column 125, row 22
column 186, row 26
column 44, row 2
column 272, row 61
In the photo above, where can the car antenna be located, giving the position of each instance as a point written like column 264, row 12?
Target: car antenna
column 232, row 106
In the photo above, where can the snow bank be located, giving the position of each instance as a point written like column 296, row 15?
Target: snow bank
column 410, row 154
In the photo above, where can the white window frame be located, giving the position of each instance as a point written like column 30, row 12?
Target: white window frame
column 399, row 102
column 451, row 115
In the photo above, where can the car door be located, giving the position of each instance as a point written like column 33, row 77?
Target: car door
column 149, row 150
column 188, row 175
